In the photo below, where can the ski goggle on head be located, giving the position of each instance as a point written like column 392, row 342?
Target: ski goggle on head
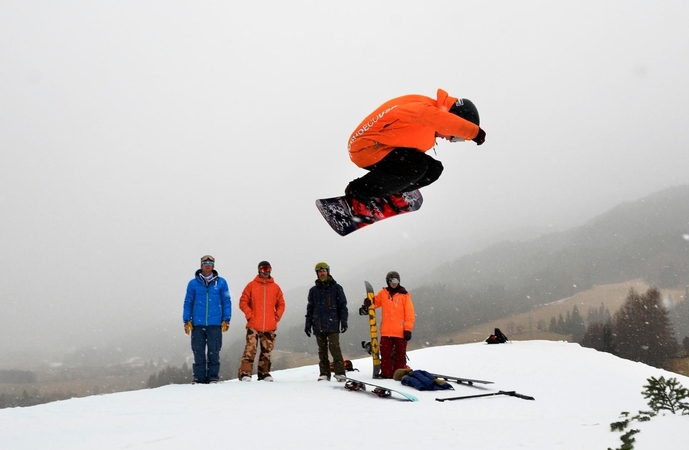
column 207, row 260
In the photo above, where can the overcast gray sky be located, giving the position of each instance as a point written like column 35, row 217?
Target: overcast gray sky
column 136, row 136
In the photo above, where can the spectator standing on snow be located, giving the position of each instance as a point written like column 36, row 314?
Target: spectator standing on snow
column 326, row 317
column 206, row 315
column 263, row 304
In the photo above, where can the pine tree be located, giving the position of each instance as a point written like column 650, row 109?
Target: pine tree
column 553, row 325
column 643, row 331
column 577, row 327
column 666, row 394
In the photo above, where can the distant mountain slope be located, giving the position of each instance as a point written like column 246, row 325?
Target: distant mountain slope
column 645, row 239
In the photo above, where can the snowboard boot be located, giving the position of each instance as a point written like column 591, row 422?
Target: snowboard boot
column 397, row 202
column 365, row 212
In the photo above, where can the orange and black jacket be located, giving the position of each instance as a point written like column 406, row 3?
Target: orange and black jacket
column 409, row 121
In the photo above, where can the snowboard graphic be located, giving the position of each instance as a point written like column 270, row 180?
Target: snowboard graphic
column 338, row 214
column 372, row 346
column 380, row 391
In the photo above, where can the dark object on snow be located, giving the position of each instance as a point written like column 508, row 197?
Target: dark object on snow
column 349, row 367
column 421, row 380
column 458, row 380
column 510, row 393
column 498, row 337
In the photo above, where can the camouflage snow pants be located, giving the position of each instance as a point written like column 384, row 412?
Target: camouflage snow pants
column 254, row 338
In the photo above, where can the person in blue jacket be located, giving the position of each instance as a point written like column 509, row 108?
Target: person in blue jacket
column 207, row 314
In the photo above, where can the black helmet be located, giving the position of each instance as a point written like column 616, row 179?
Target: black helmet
column 391, row 275
column 466, row 109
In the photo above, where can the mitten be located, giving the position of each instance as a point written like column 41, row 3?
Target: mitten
column 407, row 335
column 188, row 327
column 307, row 330
column 480, row 137
column 225, row 326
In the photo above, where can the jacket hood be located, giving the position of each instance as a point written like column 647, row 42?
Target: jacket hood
column 258, row 279
column 329, row 280
column 199, row 277
column 444, row 100
column 398, row 290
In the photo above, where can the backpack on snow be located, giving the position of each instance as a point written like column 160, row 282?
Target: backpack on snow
column 498, row 337
column 349, row 367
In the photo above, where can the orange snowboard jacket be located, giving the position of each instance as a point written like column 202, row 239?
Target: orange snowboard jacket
column 398, row 312
column 408, row 121
column 262, row 303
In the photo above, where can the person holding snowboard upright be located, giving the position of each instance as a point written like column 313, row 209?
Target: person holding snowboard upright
column 395, row 326
column 263, row 304
column 391, row 144
column 326, row 317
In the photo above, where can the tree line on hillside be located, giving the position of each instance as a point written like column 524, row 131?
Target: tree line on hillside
column 641, row 330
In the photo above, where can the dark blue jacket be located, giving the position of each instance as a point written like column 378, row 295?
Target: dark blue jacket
column 207, row 303
column 424, row 381
column 326, row 310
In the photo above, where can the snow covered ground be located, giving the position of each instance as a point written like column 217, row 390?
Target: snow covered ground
column 578, row 393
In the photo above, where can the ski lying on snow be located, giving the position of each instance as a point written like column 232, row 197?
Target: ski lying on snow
column 352, row 384
column 509, row 393
column 469, row 381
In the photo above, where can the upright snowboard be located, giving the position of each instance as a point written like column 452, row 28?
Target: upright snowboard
column 339, row 216
column 372, row 346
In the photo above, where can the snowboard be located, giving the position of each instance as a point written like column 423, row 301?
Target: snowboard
column 469, row 381
column 372, row 346
column 338, row 214
column 352, row 384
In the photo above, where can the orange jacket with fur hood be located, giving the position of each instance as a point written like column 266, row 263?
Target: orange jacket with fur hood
column 408, row 121
column 262, row 303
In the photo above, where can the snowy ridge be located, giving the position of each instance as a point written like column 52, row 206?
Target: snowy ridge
column 578, row 392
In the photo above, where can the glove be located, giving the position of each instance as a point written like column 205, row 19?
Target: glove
column 343, row 328
column 225, row 325
column 480, row 137
column 363, row 311
column 407, row 335
column 188, row 327
column 307, row 330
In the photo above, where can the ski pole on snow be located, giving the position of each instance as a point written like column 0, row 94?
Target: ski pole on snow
column 510, row 393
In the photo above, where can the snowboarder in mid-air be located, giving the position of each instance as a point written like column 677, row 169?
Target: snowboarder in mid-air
column 391, row 144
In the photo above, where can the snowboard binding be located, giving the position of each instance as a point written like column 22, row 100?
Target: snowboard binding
column 354, row 386
column 380, row 392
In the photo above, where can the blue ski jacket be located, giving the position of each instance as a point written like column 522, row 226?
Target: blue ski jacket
column 326, row 310
column 207, row 302
column 424, row 381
